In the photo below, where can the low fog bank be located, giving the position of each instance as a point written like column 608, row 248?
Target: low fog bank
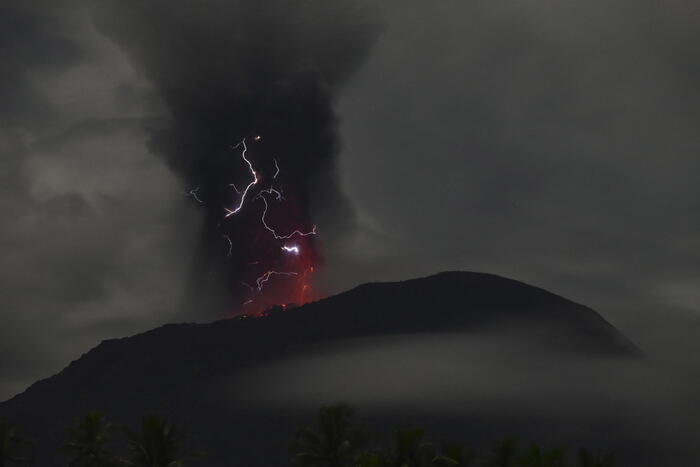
column 480, row 387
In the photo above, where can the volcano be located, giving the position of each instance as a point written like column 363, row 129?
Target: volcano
column 200, row 374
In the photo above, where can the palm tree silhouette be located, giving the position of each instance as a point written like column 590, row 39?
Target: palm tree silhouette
column 88, row 442
column 536, row 457
column 413, row 451
column 373, row 459
column 11, row 446
column 334, row 445
column 455, row 453
column 590, row 460
column 157, row 445
column 503, row 454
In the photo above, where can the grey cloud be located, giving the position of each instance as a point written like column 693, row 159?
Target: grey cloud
column 30, row 42
column 93, row 226
column 553, row 142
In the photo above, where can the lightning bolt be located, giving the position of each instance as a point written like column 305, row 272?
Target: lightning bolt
column 277, row 167
column 291, row 249
column 230, row 244
column 230, row 212
column 249, row 194
column 194, row 193
column 274, row 233
column 272, row 191
column 265, row 277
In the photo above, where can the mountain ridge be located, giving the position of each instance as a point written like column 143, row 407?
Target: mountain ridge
column 171, row 369
column 355, row 293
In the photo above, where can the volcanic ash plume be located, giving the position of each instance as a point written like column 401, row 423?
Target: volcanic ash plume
column 249, row 87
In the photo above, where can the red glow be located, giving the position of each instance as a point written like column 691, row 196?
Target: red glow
column 280, row 244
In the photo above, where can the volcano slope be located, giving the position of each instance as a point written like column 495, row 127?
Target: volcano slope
column 241, row 387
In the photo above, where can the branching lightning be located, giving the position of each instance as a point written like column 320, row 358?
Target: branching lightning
column 272, row 191
column 194, row 193
column 277, row 169
column 248, row 193
column 274, row 233
column 265, row 277
column 230, row 212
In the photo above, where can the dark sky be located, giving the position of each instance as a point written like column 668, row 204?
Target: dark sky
column 553, row 142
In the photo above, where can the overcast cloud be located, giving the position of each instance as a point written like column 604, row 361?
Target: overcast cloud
column 96, row 232
column 552, row 142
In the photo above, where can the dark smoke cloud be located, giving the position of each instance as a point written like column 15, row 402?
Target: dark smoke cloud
column 227, row 70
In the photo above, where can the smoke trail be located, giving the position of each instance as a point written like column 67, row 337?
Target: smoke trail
column 230, row 70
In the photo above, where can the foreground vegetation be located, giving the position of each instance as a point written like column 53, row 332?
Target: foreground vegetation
column 334, row 442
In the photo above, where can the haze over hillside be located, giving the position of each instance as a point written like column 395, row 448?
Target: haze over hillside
column 378, row 342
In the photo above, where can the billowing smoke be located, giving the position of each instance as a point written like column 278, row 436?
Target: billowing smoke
column 266, row 73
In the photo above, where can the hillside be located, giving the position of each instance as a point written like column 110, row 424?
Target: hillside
column 177, row 369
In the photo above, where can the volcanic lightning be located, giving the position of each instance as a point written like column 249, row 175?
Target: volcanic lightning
column 265, row 277
column 230, row 244
column 277, row 167
column 297, row 258
column 291, row 249
column 274, row 233
column 194, row 192
column 230, row 212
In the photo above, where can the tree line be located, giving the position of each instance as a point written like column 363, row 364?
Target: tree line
column 333, row 442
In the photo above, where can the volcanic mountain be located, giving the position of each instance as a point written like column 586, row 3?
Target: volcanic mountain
column 200, row 374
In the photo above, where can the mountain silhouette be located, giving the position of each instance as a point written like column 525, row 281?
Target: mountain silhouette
column 174, row 369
